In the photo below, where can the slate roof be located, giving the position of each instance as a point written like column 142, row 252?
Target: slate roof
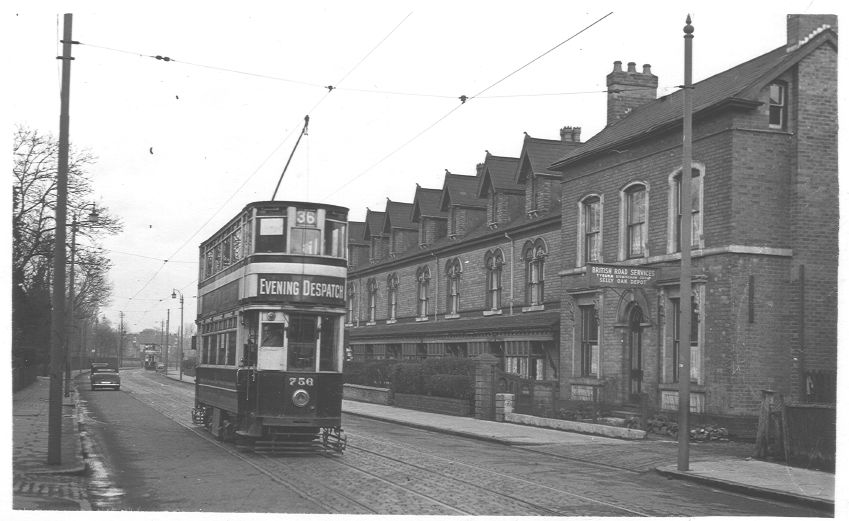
column 538, row 154
column 461, row 190
column 738, row 85
column 356, row 233
column 398, row 215
column 426, row 203
column 481, row 232
column 374, row 224
column 500, row 173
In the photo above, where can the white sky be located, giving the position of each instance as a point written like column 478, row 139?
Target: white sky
column 220, row 139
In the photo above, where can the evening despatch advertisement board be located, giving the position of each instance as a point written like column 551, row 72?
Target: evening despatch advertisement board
column 609, row 275
column 301, row 288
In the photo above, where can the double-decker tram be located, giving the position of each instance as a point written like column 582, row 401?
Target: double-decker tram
column 271, row 307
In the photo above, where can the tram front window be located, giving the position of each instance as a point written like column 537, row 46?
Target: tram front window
column 303, row 331
column 272, row 335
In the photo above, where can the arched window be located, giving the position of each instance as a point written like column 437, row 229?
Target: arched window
column 635, row 221
column 494, row 261
column 392, row 296
column 423, row 282
column 349, row 305
column 534, row 254
column 453, row 269
column 589, row 230
column 371, row 286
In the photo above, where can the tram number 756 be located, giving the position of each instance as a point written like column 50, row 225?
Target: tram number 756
column 301, row 381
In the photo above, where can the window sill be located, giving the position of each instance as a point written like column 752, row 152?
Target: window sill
column 587, row 380
column 675, row 386
column 421, row 319
column 491, row 312
column 349, row 324
column 448, row 317
column 391, row 321
column 529, row 309
column 371, row 323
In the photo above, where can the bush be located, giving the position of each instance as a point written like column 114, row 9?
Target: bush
column 448, row 365
column 450, row 386
column 374, row 373
column 407, row 378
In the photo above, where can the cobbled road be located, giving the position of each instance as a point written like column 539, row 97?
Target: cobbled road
column 164, row 462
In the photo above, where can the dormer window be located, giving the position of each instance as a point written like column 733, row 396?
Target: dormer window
column 778, row 106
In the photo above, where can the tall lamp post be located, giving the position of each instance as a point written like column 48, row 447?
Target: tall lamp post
column 92, row 218
column 174, row 293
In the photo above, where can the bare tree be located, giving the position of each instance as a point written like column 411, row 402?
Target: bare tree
column 34, row 174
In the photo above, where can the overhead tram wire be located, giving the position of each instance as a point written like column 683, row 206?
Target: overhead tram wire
column 463, row 100
column 329, row 89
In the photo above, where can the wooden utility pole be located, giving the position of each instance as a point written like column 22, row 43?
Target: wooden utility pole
column 167, row 339
column 57, row 317
column 685, row 305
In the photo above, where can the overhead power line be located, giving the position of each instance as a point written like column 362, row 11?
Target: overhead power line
column 328, row 88
column 463, row 100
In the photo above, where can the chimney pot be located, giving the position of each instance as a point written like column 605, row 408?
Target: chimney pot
column 632, row 67
column 617, row 66
column 646, row 68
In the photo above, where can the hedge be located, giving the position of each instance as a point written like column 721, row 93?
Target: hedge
column 374, row 373
column 443, row 377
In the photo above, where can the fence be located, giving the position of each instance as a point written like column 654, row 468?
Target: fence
column 801, row 434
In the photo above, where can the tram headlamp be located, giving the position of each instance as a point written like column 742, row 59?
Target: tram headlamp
column 300, row 398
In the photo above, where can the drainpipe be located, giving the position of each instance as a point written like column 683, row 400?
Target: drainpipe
column 512, row 261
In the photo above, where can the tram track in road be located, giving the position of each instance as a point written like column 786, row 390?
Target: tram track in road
column 379, row 478
column 519, row 488
column 324, row 485
column 314, row 488
column 384, row 475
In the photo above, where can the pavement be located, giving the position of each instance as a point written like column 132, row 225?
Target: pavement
column 35, row 484
column 38, row 486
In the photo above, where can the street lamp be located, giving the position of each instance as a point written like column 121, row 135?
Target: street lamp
column 174, row 295
column 92, row 218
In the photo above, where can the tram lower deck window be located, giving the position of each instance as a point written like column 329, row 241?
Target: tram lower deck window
column 271, row 235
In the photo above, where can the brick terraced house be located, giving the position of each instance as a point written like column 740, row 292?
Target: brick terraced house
column 764, row 246
column 497, row 262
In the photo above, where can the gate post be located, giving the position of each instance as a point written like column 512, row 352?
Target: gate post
column 485, row 386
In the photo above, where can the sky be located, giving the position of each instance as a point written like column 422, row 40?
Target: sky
column 183, row 145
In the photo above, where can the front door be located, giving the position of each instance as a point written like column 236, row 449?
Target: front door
column 635, row 348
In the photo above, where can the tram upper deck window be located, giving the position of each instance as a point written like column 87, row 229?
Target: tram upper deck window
column 306, row 236
column 271, row 235
column 334, row 238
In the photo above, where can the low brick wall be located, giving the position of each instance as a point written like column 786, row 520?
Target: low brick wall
column 452, row 406
column 364, row 393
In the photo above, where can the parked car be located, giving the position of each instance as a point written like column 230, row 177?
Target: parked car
column 107, row 377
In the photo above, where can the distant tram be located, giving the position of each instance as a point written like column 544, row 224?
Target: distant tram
column 271, row 307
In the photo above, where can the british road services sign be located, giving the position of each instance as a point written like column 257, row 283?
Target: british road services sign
column 609, row 275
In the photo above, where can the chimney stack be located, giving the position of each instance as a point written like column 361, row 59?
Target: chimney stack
column 570, row 134
column 801, row 27
column 627, row 90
